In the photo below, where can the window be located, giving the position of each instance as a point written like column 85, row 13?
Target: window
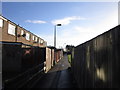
column 45, row 43
column 11, row 29
column 27, row 36
column 39, row 40
column 36, row 39
column 1, row 23
column 22, row 32
column 33, row 37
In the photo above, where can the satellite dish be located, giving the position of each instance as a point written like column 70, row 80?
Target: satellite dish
column 24, row 35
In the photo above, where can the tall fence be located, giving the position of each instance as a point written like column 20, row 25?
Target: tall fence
column 96, row 63
column 18, row 58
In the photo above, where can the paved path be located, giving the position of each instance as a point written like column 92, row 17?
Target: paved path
column 61, row 65
column 59, row 76
column 59, row 79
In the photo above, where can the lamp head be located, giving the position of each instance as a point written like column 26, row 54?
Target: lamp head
column 58, row 25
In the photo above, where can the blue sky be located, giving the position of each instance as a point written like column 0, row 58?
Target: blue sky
column 80, row 21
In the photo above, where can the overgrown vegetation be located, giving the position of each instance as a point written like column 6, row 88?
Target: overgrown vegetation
column 69, row 58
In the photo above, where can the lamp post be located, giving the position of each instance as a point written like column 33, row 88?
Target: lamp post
column 55, row 42
column 55, row 34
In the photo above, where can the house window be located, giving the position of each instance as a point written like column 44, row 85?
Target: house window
column 36, row 39
column 33, row 37
column 27, row 36
column 22, row 32
column 41, row 41
column 1, row 23
column 11, row 29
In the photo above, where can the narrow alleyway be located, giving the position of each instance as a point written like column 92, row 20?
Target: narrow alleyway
column 59, row 76
column 61, row 65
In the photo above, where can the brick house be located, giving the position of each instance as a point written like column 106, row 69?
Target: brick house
column 11, row 32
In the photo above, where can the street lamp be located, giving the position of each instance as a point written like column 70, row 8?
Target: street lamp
column 55, row 42
column 55, row 34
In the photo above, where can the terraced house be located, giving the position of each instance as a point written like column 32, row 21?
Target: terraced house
column 12, row 32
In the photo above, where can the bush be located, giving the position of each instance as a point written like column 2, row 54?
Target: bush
column 69, row 58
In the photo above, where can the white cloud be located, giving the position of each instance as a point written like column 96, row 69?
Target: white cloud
column 79, row 34
column 36, row 21
column 67, row 20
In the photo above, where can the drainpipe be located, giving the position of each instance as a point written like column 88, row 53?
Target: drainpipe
column 16, row 35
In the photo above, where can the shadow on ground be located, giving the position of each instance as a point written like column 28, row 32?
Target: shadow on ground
column 58, row 79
